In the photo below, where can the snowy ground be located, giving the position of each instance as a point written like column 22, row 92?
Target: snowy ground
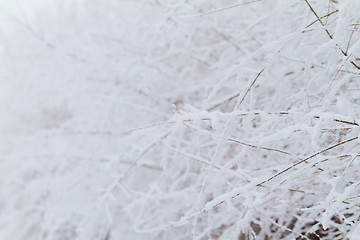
column 168, row 119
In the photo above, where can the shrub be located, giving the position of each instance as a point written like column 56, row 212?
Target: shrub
column 181, row 120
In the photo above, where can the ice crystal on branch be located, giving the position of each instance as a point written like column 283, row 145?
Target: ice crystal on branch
column 180, row 120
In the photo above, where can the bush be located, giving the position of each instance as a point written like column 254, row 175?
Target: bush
column 180, row 120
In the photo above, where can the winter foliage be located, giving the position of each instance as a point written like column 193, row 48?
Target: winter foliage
column 165, row 119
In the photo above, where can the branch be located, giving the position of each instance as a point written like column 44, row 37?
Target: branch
column 243, row 115
column 330, row 36
column 226, row 8
column 252, row 84
column 322, row 17
column 305, row 159
column 237, row 94
column 223, row 198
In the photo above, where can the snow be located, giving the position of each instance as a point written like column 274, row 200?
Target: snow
column 355, row 233
column 153, row 119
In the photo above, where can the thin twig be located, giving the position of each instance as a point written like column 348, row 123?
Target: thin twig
column 305, row 159
column 346, row 122
column 226, row 38
column 319, row 66
column 284, row 227
column 333, row 78
column 135, row 164
column 285, row 170
column 228, row 99
column 330, row 36
column 237, row 94
column 226, row 8
column 242, row 115
column 351, row 35
column 259, row 147
column 252, row 84
column 329, row 14
column 199, row 159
